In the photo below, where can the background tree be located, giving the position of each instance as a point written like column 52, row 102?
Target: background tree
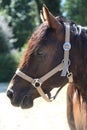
column 76, row 10
column 6, row 36
column 8, row 62
column 22, row 16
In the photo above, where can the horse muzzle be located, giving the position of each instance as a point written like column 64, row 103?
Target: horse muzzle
column 24, row 101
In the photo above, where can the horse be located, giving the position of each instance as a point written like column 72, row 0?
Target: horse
column 56, row 54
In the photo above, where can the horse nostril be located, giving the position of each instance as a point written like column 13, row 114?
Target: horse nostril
column 10, row 94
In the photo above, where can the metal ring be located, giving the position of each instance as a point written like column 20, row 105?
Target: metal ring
column 36, row 83
column 69, row 74
column 66, row 46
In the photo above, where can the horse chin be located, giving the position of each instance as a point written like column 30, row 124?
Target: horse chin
column 27, row 102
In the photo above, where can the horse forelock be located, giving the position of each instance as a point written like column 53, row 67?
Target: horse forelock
column 33, row 42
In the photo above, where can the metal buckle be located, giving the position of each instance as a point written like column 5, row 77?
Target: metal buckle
column 66, row 46
column 36, row 83
column 70, row 77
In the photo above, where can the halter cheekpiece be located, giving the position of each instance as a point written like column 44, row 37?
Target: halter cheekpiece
column 63, row 66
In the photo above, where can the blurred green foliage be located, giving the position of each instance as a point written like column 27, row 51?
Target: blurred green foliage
column 6, row 36
column 8, row 64
column 22, row 16
column 8, row 60
column 76, row 10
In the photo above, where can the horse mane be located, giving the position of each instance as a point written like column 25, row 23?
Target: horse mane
column 84, row 47
column 80, row 61
column 83, row 44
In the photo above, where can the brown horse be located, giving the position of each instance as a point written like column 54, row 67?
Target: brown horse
column 55, row 49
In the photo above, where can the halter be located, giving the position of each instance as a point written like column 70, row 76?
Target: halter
column 63, row 66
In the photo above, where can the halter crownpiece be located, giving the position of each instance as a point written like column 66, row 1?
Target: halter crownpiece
column 63, row 66
column 66, row 47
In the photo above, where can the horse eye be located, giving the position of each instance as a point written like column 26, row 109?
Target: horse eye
column 39, row 52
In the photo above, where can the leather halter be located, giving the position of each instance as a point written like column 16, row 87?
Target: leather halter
column 63, row 66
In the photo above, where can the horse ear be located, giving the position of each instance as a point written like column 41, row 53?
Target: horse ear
column 51, row 20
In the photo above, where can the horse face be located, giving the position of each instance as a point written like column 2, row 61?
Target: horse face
column 44, row 52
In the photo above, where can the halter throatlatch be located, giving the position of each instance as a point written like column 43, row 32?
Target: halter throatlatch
column 63, row 66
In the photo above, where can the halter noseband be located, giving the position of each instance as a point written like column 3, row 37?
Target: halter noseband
column 63, row 66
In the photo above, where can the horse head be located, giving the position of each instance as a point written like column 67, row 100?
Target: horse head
column 45, row 51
